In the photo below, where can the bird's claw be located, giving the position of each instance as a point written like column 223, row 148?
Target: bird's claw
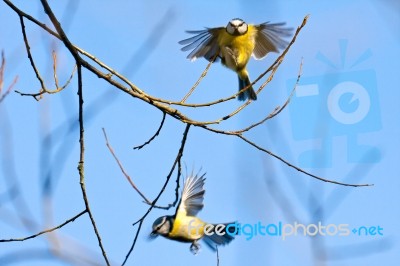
column 195, row 247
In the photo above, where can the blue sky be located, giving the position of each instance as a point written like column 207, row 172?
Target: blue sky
column 340, row 125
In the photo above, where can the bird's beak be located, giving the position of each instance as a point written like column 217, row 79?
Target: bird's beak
column 153, row 235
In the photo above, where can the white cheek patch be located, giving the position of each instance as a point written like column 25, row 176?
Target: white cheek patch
column 243, row 29
column 230, row 29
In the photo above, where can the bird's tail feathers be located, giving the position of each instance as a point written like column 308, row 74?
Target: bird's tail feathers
column 249, row 92
column 222, row 234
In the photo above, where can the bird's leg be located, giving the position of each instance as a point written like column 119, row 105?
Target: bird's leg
column 195, row 247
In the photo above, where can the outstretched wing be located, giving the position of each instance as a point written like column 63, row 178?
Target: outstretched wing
column 192, row 196
column 203, row 44
column 270, row 38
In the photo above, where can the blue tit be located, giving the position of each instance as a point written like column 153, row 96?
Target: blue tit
column 185, row 226
column 235, row 44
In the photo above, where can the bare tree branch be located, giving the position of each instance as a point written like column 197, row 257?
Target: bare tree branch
column 58, row 87
column 276, row 111
column 154, row 136
column 90, row 62
column 123, row 170
column 199, row 79
column 216, row 248
column 28, row 50
column 298, row 168
column 81, row 164
column 134, row 90
column 45, row 231
column 140, row 221
column 137, row 93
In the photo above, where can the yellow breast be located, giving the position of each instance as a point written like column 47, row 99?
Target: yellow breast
column 242, row 47
column 187, row 228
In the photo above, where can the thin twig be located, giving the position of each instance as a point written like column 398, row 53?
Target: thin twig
column 199, row 79
column 178, row 178
column 281, row 159
column 44, row 90
column 45, row 231
column 279, row 60
column 58, row 87
column 140, row 222
column 123, row 170
column 216, row 248
column 298, row 168
column 153, row 205
column 239, row 135
column 177, row 161
column 154, row 136
column 81, row 164
column 69, row 79
column 55, row 68
column 28, row 50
